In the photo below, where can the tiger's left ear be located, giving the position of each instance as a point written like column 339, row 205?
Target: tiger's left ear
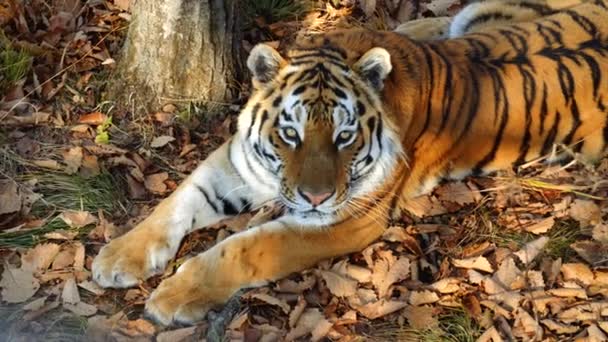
column 374, row 66
column 264, row 63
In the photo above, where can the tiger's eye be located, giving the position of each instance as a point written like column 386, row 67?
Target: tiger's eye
column 345, row 135
column 291, row 132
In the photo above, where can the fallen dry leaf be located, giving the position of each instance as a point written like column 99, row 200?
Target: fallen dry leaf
column 525, row 326
column 423, row 297
column 559, row 328
column 595, row 334
column 586, row 212
column 78, row 219
column 70, row 295
column 176, row 335
column 156, row 182
column 18, row 285
column 360, row 274
column 578, row 272
column 291, row 286
column 446, row 285
column 297, row 311
column 569, row 292
column 423, row 206
column 309, row 321
column 490, row 335
column 64, row 258
column 385, row 274
column 47, row 164
column 93, row 118
column 478, row 263
column 73, row 159
column 40, row 257
column 541, row 226
column 531, row 250
column 339, row 285
column 81, row 309
column 36, row 304
column 161, row 141
column 592, row 252
column 61, row 234
column 92, row 287
column 10, row 201
column 507, row 273
column 380, row 308
column 421, row 317
column 457, row 192
column 268, row 299
column 600, row 232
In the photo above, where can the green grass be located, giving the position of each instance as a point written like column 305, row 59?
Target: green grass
column 57, row 325
column 60, row 192
column 455, row 325
column 27, row 238
column 14, row 64
column 272, row 11
column 74, row 192
column 561, row 236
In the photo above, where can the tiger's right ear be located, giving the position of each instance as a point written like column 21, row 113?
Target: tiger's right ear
column 264, row 63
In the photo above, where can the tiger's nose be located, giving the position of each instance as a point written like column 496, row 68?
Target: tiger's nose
column 315, row 198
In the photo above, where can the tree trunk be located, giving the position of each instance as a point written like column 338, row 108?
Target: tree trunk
column 180, row 51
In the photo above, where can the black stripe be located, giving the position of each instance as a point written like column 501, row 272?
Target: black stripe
column 251, row 169
column 474, row 105
column 550, row 139
column 543, row 110
column 299, row 90
column 427, row 115
column 245, row 204
column 230, row 208
column 504, row 118
column 550, row 35
column 566, row 81
column 536, row 7
column 583, row 22
column 596, row 72
column 485, row 18
column 379, row 131
column 206, row 195
column 576, row 122
column 529, row 98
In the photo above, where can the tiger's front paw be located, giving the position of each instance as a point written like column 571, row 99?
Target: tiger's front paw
column 187, row 296
column 135, row 256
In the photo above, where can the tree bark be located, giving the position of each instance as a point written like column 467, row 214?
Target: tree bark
column 180, row 51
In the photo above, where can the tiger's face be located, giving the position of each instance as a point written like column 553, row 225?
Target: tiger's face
column 317, row 125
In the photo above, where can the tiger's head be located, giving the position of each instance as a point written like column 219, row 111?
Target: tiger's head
column 316, row 124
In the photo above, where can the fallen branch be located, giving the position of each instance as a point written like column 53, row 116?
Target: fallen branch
column 218, row 323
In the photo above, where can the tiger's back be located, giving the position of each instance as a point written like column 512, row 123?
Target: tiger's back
column 494, row 99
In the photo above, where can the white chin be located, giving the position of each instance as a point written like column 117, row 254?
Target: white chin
column 311, row 218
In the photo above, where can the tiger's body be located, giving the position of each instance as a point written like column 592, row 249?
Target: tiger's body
column 351, row 124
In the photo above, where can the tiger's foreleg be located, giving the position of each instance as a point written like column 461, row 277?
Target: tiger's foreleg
column 252, row 258
column 212, row 192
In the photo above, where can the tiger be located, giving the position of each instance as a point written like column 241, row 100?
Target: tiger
column 346, row 127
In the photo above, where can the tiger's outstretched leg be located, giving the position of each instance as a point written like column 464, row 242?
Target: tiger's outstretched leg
column 214, row 191
column 252, row 258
